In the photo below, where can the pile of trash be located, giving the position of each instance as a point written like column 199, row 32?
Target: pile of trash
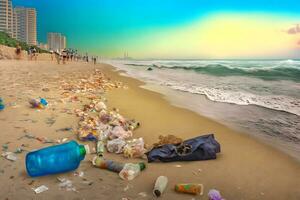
column 113, row 133
column 109, row 129
column 38, row 103
column 95, row 82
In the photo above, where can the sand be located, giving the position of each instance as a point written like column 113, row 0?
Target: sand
column 245, row 169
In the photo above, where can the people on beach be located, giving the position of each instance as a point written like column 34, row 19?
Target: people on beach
column 94, row 60
column 32, row 53
column 18, row 51
column 57, row 56
column 64, row 56
column 52, row 55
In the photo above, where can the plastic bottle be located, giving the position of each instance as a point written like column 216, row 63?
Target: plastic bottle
column 130, row 171
column 108, row 164
column 2, row 106
column 55, row 159
column 100, row 147
column 43, row 102
column 160, row 185
column 189, row 188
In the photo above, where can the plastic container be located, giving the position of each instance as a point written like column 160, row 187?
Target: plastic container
column 100, row 147
column 189, row 188
column 130, row 171
column 2, row 106
column 55, row 159
column 108, row 164
column 160, row 186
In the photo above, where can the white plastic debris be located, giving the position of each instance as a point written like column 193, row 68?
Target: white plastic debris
column 80, row 174
column 116, row 145
column 66, row 184
column 119, row 132
column 100, row 106
column 143, row 194
column 40, row 189
column 9, row 156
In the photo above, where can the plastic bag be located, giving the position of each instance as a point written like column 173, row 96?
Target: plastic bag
column 214, row 195
column 119, row 132
column 100, row 106
column 134, row 148
column 199, row 148
column 116, row 145
column 87, row 135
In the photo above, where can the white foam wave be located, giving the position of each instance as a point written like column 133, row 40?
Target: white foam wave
column 281, row 103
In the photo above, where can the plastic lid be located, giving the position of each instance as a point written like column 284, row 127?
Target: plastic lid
column 142, row 166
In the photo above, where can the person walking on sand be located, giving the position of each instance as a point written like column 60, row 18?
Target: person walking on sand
column 18, row 51
column 57, row 56
column 35, row 53
column 51, row 52
column 32, row 53
column 64, row 55
column 95, row 60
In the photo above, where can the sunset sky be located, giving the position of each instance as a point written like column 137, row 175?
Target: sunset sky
column 174, row 28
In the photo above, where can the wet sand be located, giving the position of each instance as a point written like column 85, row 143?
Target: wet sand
column 245, row 168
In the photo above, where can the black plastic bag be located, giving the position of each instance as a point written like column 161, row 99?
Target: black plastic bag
column 200, row 148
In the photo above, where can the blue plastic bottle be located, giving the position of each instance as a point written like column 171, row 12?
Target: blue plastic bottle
column 55, row 159
column 1, row 104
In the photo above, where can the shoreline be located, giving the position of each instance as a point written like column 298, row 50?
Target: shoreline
column 224, row 138
column 245, row 168
column 254, row 120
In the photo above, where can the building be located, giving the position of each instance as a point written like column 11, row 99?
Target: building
column 56, row 41
column 43, row 46
column 14, row 25
column 25, row 24
column 6, row 16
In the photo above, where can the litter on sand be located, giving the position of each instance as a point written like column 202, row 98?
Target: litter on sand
column 214, row 195
column 40, row 189
column 66, row 184
column 9, row 156
column 200, row 148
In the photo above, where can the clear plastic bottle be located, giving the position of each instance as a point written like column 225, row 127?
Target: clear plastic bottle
column 130, row 171
column 55, row 159
column 160, row 185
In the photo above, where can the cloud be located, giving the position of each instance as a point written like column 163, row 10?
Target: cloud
column 294, row 30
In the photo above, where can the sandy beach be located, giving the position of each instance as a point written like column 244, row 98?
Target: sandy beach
column 246, row 169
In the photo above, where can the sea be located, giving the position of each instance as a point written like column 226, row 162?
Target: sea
column 257, row 97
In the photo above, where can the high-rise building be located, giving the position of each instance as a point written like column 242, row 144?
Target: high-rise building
column 56, row 41
column 26, row 30
column 6, row 16
column 14, row 25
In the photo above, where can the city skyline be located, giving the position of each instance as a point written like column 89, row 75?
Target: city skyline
column 174, row 29
column 19, row 22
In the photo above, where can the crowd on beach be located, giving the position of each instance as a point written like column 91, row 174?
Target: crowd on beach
column 63, row 55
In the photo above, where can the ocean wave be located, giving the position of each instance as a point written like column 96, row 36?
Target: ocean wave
column 280, row 70
column 275, row 102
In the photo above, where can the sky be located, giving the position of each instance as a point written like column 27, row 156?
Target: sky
column 174, row 29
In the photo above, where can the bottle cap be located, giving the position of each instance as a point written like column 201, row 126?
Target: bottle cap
column 142, row 166
column 82, row 150
column 157, row 193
